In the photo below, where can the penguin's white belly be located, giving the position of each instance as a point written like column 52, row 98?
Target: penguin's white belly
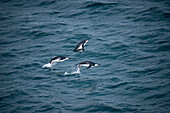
column 80, row 47
column 56, row 60
column 86, row 65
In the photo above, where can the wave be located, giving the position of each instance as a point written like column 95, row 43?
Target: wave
column 103, row 107
column 39, row 33
column 118, row 85
column 46, row 3
column 98, row 4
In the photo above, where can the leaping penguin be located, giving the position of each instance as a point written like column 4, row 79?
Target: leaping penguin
column 88, row 64
column 54, row 60
column 80, row 46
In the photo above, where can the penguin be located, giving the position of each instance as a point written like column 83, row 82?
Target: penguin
column 54, row 60
column 80, row 46
column 88, row 64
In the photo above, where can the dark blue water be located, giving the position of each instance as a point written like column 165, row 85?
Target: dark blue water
column 130, row 39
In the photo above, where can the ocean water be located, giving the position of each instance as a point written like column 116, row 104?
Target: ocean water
column 129, row 39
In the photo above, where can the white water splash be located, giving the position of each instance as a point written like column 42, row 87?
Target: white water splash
column 74, row 72
column 47, row 65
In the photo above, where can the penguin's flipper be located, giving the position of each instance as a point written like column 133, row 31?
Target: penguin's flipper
column 88, row 67
column 83, row 49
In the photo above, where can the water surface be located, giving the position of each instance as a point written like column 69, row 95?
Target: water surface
column 130, row 39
